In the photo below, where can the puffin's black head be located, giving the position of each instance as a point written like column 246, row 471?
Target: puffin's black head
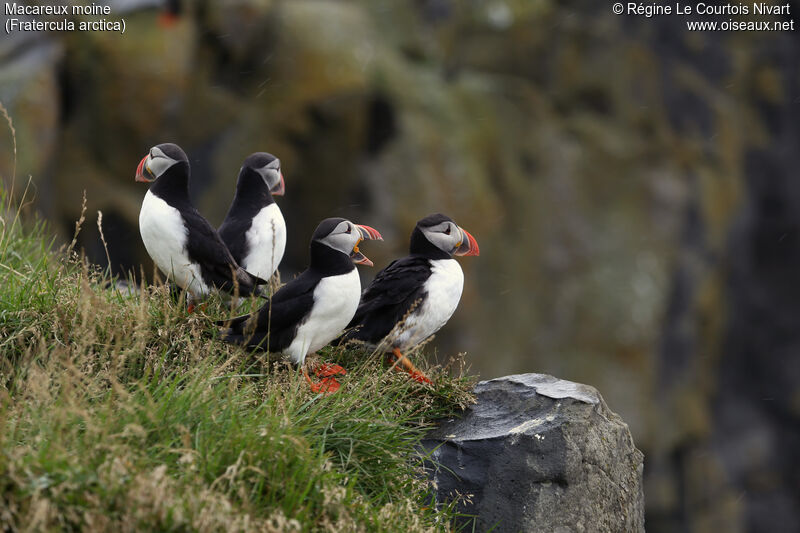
column 268, row 168
column 160, row 159
column 442, row 232
column 345, row 236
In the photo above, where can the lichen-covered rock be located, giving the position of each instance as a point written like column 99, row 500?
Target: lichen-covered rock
column 537, row 453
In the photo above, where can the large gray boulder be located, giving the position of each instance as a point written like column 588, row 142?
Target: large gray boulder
column 537, row 453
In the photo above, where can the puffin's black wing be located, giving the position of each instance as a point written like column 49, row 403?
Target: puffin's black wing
column 394, row 291
column 233, row 233
column 276, row 321
column 217, row 265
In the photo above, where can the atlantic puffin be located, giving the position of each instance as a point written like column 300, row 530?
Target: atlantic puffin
column 170, row 13
column 184, row 246
column 413, row 297
column 254, row 229
column 313, row 309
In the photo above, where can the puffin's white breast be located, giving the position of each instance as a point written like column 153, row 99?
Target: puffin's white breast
column 335, row 303
column 164, row 235
column 443, row 288
column 266, row 242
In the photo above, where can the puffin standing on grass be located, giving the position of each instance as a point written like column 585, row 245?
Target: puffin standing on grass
column 184, row 246
column 254, row 229
column 413, row 297
column 313, row 309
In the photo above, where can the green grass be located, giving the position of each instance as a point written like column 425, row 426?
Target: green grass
column 121, row 412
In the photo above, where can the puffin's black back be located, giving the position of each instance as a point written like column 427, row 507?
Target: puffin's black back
column 217, row 266
column 398, row 288
column 395, row 291
column 274, row 326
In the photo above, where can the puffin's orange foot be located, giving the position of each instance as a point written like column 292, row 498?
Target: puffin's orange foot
column 326, row 370
column 397, row 358
column 420, row 377
column 328, row 385
column 191, row 308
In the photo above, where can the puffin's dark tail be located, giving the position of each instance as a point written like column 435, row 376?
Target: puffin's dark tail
column 233, row 331
column 259, row 291
column 250, row 284
column 258, row 281
column 257, row 341
column 259, row 286
column 232, row 324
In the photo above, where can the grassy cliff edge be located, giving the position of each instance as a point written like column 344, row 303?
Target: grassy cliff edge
column 118, row 411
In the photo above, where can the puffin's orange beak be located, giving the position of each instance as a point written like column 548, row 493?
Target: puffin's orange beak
column 279, row 188
column 469, row 246
column 360, row 259
column 367, row 233
column 140, row 170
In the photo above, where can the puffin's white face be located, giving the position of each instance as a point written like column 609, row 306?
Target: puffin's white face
column 154, row 164
column 271, row 174
column 451, row 238
column 445, row 236
column 268, row 168
column 346, row 236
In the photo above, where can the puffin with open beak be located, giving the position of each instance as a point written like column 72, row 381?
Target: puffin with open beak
column 183, row 245
column 413, row 297
column 254, row 229
column 313, row 309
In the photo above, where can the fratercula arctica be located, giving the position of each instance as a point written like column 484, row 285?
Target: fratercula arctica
column 313, row 309
column 170, row 13
column 413, row 297
column 253, row 229
column 184, row 246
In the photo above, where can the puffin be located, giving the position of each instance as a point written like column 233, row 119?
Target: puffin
column 413, row 297
column 254, row 229
column 170, row 13
column 183, row 244
column 312, row 309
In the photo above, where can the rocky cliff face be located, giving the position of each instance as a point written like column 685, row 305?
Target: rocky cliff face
column 536, row 453
column 630, row 184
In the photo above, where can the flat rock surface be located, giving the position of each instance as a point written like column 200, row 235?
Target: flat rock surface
column 537, row 453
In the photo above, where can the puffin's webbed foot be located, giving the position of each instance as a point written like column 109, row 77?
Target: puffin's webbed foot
column 415, row 373
column 191, row 308
column 328, row 384
column 327, row 370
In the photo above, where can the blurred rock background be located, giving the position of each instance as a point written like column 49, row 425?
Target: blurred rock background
column 633, row 187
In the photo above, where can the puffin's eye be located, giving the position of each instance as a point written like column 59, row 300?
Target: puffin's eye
column 447, row 231
column 348, row 230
